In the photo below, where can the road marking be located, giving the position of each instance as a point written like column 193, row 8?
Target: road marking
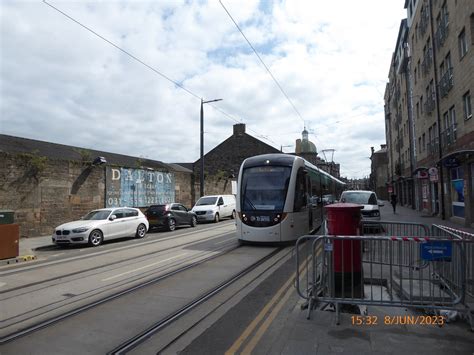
column 122, row 248
column 224, row 241
column 2, row 284
column 263, row 328
column 143, row 267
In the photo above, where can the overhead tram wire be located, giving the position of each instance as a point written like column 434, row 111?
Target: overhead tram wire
column 263, row 63
column 150, row 67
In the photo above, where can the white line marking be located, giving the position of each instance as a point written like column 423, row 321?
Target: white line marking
column 119, row 249
column 143, row 267
column 224, row 241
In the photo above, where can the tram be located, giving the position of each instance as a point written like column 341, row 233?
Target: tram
column 279, row 198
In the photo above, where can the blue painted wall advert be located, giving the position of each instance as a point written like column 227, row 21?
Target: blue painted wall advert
column 138, row 187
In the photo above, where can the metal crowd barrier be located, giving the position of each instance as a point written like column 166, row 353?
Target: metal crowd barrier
column 376, row 254
column 468, row 239
column 378, row 270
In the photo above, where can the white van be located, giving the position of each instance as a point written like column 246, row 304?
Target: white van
column 215, row 207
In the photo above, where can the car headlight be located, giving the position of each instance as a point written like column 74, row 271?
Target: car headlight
column 375, row 213
column 209, row 212
column 80, row 229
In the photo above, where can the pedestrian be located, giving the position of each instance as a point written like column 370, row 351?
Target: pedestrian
column 393, row 201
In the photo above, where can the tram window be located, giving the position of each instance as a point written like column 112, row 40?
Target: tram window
column 300, row 190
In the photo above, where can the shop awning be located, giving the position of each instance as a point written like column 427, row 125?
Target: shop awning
column 459, row 154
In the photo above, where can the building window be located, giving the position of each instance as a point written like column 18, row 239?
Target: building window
column 419, row 144
column 415, row 76
column 424, row 142
column 472, row 28
column 457, row 191
column 417, row 110
column 462, row 44
column 466, row 99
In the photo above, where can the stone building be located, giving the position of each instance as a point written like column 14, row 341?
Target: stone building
column 428, row 109
column 379, row 171
column 48, row 184
column 222, row 164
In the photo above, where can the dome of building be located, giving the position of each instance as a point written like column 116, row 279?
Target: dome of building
column 305, row 145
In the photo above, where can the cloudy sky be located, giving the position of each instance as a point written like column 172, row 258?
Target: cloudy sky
column 63, row 84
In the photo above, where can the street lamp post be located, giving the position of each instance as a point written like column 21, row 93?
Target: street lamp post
column 202, row 143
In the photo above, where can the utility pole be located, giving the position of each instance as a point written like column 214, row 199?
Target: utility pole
column 202, row 144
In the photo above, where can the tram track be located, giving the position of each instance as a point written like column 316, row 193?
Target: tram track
column 109, row 264
column 53, row 320
column 81, row 297
column 142, row 337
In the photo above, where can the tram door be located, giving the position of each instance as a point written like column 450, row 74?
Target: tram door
column 301, row 208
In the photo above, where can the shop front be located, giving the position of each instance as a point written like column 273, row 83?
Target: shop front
column 459, row 168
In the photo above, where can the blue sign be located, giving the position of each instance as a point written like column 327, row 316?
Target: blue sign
column 436, row 251
column 451, row 162
column 138, row 187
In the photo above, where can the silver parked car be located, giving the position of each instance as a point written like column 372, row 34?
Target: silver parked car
column 102, row 224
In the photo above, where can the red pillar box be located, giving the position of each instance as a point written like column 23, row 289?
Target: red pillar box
column 344, row 219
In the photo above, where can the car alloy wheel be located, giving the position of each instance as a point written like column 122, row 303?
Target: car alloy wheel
column 216, row 218
column 95, row 238
column 232, row 215
column 171, row 224
column 141, row 231
column 193, row 222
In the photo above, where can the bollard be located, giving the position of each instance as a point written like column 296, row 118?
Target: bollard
column 344, row 219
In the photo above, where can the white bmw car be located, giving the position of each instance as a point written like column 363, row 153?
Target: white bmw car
column 102, row 224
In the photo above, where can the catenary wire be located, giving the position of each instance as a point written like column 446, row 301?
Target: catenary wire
column 151, row 68
column 263, row 63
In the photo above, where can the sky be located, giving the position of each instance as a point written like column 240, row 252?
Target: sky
column 61, row 83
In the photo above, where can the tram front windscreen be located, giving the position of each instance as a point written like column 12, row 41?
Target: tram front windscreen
column 264, row 188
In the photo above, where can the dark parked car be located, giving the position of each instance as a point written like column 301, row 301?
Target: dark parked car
column 170, row 216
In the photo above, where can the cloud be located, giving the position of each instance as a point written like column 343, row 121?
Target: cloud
column 61, row 83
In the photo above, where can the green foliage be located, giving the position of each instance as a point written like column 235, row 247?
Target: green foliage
column 85, row 154
column 220, row 174
column 139, row 163
column 36, row 163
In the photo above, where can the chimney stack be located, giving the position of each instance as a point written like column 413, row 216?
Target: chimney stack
column 239, row 129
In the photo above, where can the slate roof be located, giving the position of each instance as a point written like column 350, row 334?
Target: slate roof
column 16, row 145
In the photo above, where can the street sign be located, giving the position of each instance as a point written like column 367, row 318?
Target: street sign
column 451, row 162
column 436, row 251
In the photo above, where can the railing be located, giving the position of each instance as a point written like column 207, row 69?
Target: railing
column 419, row 272
column 429, row 105
column 449, row 135
column 442, row 31
column 425, row 19
column 433, row 146
column 426, row 63
column 446, row 82
column 468, row 239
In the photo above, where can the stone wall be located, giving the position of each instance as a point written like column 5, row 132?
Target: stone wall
column 45, row 193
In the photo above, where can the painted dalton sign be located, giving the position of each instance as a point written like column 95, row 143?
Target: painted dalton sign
column 138, row 187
